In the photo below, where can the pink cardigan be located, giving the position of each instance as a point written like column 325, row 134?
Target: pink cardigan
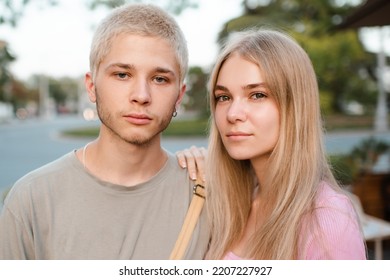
column 338, row 234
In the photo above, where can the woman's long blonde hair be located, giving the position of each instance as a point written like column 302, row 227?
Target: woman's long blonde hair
column 296, row 166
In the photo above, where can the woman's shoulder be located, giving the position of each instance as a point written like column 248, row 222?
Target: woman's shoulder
column 335, row 232
column 332, row 197
column 231, row 256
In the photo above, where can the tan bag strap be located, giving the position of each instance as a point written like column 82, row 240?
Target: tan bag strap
column 189, row 222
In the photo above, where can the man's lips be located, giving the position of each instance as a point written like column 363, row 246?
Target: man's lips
column 138, row 119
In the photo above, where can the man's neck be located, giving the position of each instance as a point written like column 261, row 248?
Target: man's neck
column 122, row 163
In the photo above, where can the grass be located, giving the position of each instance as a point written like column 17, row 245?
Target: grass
column 89, row 132
column 187, row 128
column 345, row 122
column 183, row 128
column 196, row 127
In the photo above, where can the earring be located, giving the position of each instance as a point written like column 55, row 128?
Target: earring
column 174, row 113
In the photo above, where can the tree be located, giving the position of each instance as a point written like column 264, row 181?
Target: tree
column 339, row 58
column 11, row 90
column 23, row 96
column 340, row 63
column 196, row 96
column 12, row 10
column 62, row 92
column 174, row 6
column 5, row 76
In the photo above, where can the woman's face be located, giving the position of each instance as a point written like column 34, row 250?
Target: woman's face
column 246, row 114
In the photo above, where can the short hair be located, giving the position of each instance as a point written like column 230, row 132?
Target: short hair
column 138, row 19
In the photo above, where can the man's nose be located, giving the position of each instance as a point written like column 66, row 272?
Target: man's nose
column 140, row 92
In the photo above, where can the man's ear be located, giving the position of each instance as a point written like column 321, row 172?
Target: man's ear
column 90, row 87
column 181, row 95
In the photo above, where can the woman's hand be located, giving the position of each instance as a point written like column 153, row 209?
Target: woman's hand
column 194, row 160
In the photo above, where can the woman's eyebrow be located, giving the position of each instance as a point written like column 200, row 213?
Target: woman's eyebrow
column 219, row 87
column 256, row 85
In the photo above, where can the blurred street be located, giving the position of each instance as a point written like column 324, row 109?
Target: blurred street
column 29, row 144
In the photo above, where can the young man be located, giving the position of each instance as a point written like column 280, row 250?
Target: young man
column 122, row 196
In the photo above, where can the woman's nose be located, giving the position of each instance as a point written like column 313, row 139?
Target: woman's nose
column 236, row 112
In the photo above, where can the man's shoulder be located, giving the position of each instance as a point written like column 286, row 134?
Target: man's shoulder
column 50, row 172
column 173, row 167
column 50, row 169
column 175, row 178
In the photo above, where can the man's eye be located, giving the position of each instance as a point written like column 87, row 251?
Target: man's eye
column 122, row 75
column 160, row 79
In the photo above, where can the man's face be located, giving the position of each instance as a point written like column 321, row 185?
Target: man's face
column 136, row 88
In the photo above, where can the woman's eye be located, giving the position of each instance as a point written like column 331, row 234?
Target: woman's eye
column 258, row 95
column 221, row 98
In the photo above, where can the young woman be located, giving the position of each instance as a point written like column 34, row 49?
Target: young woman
column 271, row 193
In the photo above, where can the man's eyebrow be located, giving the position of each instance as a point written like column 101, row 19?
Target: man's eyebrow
column 120, row 65
column 165, row 71
column 132, row 67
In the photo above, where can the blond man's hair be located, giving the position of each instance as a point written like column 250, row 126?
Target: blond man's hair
column 138, row 19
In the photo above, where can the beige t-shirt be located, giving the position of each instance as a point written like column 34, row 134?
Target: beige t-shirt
column 60, row 211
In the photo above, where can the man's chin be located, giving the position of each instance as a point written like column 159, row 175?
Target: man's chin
column 140, row 141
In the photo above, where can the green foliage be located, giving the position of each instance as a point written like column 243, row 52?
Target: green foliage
column 198, row 127
column 241, row 23
column 367, row 152
column 177, row 128
column 338, row 60
column 326, row 102
column 344, row 168
column 6, row 58
column 196, row 96
column 63, row 89
column 341, row 64
column 84, row 132
column 12, row 10
column 337, row 122
column 174, row 6
column 186, row 128
column 360, row 160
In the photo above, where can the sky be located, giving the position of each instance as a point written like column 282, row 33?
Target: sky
column 55, row 41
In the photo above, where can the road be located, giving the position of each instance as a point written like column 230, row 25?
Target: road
column 26, row 145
